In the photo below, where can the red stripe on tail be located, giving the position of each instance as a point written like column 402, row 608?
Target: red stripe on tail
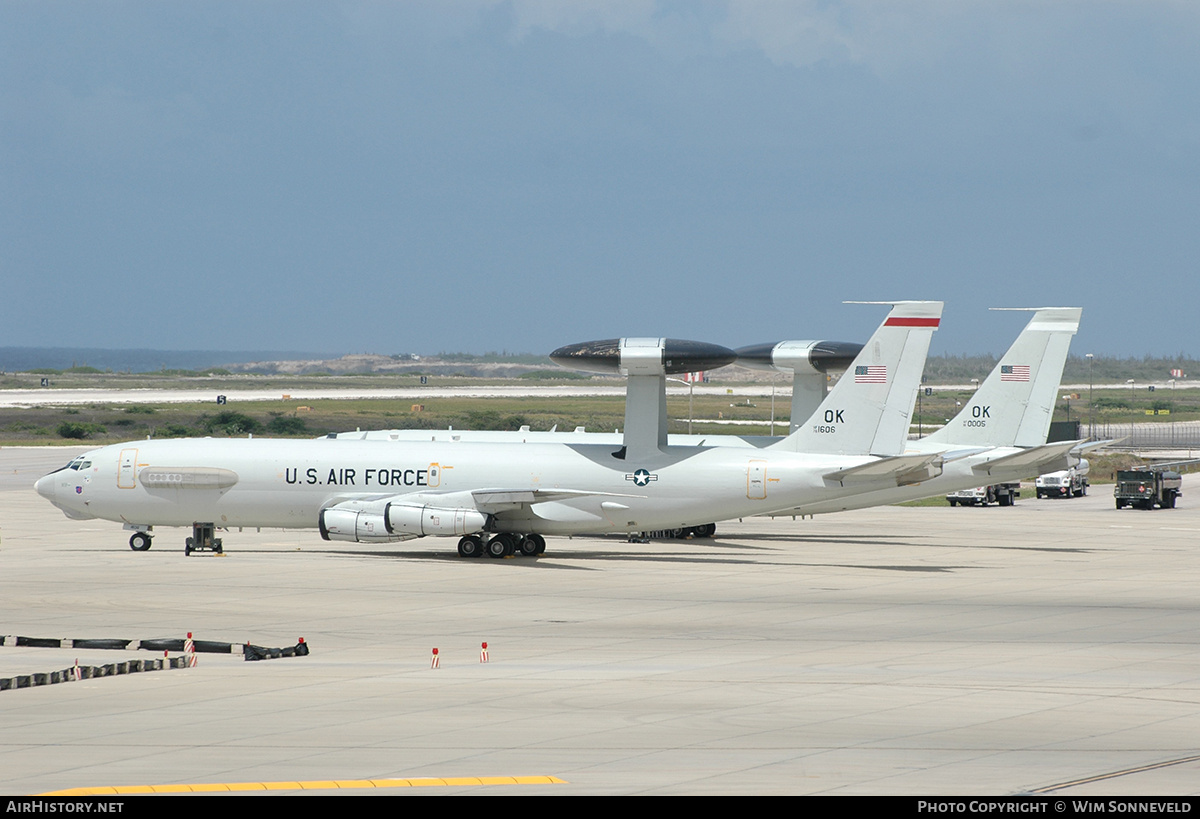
column 900, row 321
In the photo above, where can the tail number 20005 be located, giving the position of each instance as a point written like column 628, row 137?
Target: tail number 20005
column 979, row 416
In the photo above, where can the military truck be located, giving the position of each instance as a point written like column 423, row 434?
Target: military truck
column 1147, row 488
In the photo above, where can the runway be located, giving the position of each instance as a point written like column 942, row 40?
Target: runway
column 66, row 397
column 885, row 651
column 235, row 392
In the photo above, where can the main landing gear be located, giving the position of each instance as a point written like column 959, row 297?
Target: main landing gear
column 202, row 540
column 704, row 530
column 502, row 545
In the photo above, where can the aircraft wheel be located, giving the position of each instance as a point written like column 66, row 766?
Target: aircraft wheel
column 187, row 547
column 470, row 546
column 533, row 545
column 217, row 546
column 706, row 530
column 139, row 541
column 953, row 502
column 499, row 546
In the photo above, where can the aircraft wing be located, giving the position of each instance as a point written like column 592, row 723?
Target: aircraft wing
column 483, row 500
column 500, row 500
column 374, row 519
column 900, row 470
column 1040, row 459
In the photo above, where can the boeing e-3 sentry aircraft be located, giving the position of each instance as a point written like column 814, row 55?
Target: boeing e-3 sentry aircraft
column 1011, row 411
column 1000, row 434
column 501, row 497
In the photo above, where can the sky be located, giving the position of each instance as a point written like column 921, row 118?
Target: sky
column 386, row 177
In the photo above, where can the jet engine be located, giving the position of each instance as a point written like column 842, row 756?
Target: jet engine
column 418, row 520
column 398, row 520
column 356, row 526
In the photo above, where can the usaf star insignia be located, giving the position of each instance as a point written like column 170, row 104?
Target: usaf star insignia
column 641, row 477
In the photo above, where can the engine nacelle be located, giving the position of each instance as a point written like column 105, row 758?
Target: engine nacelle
column 643, row 356
column 800, row 357
column 419, row 520
column 355, row 526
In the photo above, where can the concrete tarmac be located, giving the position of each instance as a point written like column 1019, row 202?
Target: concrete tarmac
column 884, row 651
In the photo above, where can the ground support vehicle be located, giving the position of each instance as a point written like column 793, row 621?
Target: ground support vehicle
column 1066, row 483
column 1005, row 494
column 1147, row 488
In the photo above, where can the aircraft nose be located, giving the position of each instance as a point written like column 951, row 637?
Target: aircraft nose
column 45, row 487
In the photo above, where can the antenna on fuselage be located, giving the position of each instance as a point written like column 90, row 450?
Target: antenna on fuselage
column 810, row 363
column 646, row 362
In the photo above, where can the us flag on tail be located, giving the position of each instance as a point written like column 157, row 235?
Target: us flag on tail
column 1014, row 372
column 871, row 374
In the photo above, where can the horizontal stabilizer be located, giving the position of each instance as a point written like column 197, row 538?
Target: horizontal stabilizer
column 1039, row 459
column 1092, row 445
column 958, row 454
column 901, row 470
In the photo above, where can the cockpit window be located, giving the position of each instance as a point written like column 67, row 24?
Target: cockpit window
column 75, row 463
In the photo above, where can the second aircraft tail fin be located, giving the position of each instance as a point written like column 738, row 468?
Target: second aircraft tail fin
column 1014, row 405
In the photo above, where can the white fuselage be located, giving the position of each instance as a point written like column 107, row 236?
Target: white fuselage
column 286, row 483
column 957, row 473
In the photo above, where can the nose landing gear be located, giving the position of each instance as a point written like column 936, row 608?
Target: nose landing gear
column 140, row 541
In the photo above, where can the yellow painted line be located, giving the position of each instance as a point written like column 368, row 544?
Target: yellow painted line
column 317, row 785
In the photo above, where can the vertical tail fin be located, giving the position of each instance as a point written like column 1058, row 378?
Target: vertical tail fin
column 1014, row 405
column 869, row 410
